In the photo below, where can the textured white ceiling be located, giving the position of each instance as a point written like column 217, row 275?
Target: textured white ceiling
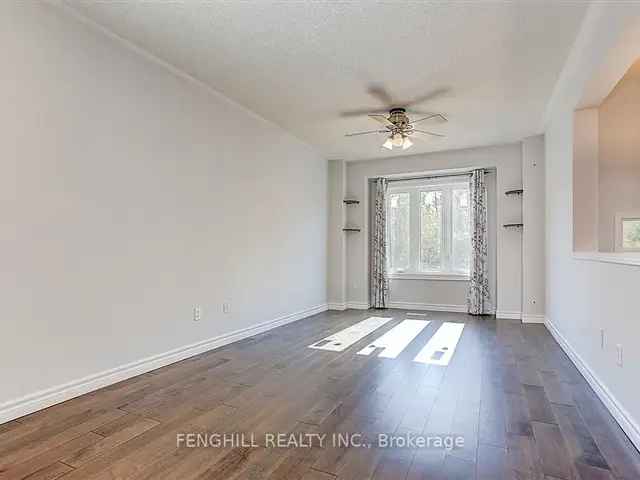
column 301, row 63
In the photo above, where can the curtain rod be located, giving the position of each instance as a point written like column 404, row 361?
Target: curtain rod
column 423, row 177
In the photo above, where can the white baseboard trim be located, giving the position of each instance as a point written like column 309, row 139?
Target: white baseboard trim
column 45, row 398
column 358, row 305
column 507, row 315
column 337, row 306
column 532, row 318
column 628, row 424
column 435, row 307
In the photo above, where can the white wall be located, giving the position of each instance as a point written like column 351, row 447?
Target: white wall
column 585, row 296
column 336, row 268
column 508, row 243
column 533, row 237
column 130, row 193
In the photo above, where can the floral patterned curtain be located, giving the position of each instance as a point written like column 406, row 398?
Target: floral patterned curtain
column 379, row 285
column 479, row 298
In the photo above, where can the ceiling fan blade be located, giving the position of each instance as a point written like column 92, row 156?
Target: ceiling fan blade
column 382, row 118
column 365, row 133
column 438, row 92
column 438, row 117
column 425, row 132
column 378, row 91
column 362, row 111
column 413, row 111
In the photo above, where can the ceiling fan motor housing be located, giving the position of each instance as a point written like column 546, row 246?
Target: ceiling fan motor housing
column 398, row 116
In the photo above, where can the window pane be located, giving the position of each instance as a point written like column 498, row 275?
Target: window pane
column 461, row 231
column 631, row 234
column 431, row 231
column 398, row 231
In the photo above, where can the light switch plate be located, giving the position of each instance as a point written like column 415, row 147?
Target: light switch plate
column 619, row 357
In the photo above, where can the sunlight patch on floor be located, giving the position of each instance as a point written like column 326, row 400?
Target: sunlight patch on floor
column 350, row 335
column 396, row 340
column 441, row 347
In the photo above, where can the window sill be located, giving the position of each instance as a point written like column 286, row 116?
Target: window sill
column 429, row 276
column 609, row 257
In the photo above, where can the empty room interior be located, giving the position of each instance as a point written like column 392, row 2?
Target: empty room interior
column 320, row 240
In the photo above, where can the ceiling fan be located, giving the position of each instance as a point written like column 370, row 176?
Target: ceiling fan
column 398, row 127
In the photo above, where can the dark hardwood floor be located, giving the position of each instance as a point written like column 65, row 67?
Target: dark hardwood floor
column 522, row 408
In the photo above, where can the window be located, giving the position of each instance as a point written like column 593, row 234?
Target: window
column 628, row 233
column 398, row 221
column 429, row 228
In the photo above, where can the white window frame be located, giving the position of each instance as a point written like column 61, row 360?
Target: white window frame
column 415, row 188
column 620, row 218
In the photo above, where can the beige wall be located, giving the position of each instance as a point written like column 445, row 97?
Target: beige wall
column 128, row 195
column 585, row 180
column 619, row 155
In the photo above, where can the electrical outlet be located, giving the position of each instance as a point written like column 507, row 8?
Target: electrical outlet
column 197, row 313
column 619, row 358
column 226, row 308
column 602, row 338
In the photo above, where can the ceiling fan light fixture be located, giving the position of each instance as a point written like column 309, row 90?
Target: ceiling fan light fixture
column 397, row 139
column 407, row 143
column 388, row 144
